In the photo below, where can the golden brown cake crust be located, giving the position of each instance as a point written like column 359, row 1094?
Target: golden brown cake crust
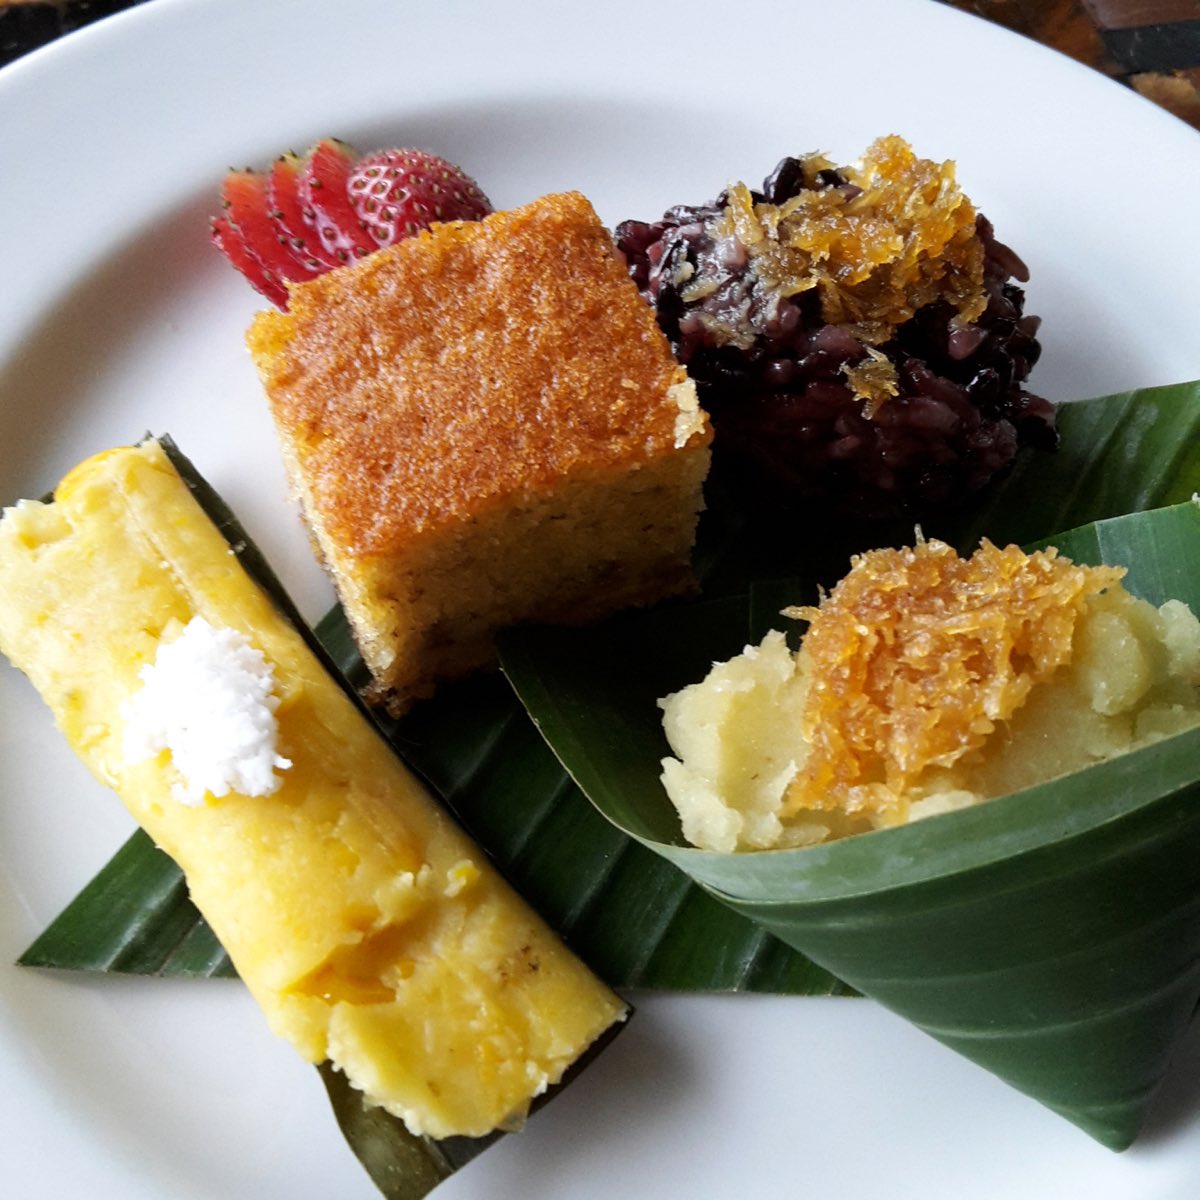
column 459, row 368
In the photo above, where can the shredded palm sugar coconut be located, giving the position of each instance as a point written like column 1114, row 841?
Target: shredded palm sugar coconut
column 873, row 378
column 917, row 654
column 926, row 682
column 902, row 236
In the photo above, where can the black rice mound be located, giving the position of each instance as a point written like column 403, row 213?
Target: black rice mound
column 788, row 427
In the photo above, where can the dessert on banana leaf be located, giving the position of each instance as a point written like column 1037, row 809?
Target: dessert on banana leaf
column 1050, row 935
column 926, row 682
column 370, row 930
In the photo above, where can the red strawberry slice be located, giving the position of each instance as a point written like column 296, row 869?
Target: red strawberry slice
column 323, row 192
column 248, row 208
column 287, row 211
column 308, row 215
column 227, row 239
column 397, row 193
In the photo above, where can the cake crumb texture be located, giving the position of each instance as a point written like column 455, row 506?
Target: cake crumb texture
column 484, row 425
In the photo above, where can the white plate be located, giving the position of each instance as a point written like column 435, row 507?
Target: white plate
column 116, row 317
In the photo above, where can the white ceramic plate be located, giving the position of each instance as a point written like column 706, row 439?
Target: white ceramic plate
column 116, row 317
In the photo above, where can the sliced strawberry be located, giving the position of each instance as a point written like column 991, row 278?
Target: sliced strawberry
column 248, row 208
column 287, row 211
column 227, row 239
column 307, row 216
column 323, row 192
column 397, row 193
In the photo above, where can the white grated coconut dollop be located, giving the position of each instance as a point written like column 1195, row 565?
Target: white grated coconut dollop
column 209, row 699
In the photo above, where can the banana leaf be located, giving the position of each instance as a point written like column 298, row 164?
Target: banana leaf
column 644, row 924
column 401, row 1166
column 1052, row 936
column 639, row 924
column 133, row 918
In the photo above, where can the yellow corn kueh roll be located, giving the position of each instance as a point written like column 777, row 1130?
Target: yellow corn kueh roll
column 369, row 928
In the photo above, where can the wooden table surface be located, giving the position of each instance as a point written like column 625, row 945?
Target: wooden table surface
column 1152, row 46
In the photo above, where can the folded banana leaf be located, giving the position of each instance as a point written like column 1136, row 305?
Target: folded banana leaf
column 637, row 922
column 1052, row 936
column 641, row 923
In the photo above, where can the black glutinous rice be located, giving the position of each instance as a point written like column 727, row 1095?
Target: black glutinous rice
column 788, row 424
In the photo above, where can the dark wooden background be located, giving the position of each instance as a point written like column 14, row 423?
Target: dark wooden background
column 1152, row 46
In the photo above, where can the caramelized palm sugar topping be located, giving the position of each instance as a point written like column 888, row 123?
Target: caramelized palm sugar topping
column 917, row 654
column 901, row 236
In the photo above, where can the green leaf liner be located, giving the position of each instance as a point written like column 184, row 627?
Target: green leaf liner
column 1053, row 936
column 1119, row 453
column 133, row 918
column 401, row 1166
column 637, row 922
